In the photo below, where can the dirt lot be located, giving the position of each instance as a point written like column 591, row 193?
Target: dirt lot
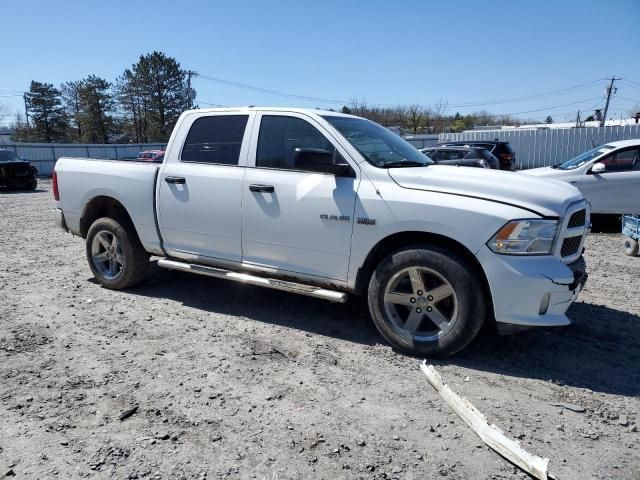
column 242, row 382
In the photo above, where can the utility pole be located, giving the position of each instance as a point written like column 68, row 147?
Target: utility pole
column 26, row 114
column 578, row 119
column 189, row 74
column 610, row 91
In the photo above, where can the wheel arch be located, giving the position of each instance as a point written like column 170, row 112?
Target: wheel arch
column 104, row 206
column 401, row 240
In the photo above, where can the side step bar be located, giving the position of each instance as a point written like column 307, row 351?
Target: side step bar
column 248, row 279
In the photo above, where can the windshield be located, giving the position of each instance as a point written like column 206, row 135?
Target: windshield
column 585, row 157
column 378, row 146
column 8, row 156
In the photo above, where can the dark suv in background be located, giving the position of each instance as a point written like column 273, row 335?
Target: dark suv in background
column 15, row 172
column 462, row 156
column 502, row 150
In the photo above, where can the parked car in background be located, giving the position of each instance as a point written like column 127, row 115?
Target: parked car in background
column 151, row 156
column 608, row 176
column 462, row 156
column 501, row 150
column 16, row 173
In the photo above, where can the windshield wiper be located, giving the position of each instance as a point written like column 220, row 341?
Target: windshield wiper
column 405, row 163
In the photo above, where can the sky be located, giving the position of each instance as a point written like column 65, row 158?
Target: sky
column 491, row 54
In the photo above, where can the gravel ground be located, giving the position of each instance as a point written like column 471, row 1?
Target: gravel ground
column 243, row 382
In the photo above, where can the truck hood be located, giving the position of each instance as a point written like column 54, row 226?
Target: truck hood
column 546, row 197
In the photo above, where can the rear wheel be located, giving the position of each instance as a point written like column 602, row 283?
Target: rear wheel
column 33, row 183
column 427, row 301
column 631, row 246
column 116, row 256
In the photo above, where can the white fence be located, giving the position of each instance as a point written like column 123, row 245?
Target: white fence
column 534, row 148
column 540, row 148
column 43, row 156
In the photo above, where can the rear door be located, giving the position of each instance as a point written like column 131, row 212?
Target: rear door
column 617, row 189
column 200, row 187
column 295, row 220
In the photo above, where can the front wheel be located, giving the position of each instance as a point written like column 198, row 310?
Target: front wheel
column 631, row 246
column 427, row 301
column 116, row 256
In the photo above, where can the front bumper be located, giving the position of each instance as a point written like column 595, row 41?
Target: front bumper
column 532, row 291
column 60, row 221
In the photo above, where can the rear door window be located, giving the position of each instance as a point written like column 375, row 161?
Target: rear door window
column 215, row 139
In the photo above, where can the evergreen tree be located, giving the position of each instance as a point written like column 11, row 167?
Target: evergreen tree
column 132, row 106
column 46, row 116
column 153, row 93
column 71, row 101
column 96, row 104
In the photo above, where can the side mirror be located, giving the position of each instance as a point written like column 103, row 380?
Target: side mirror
column 599, row 168
column 321, row 161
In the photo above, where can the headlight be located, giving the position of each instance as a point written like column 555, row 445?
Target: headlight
column 525, row 237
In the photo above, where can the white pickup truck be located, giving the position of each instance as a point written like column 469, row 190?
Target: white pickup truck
column 325, row 204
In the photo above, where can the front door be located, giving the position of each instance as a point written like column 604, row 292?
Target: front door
column 294, row 220
column 617, row 189
column 200, row 189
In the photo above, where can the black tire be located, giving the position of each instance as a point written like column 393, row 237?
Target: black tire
column 33, row 184
column 631, row 246
column 135, row 258
column 466, row 318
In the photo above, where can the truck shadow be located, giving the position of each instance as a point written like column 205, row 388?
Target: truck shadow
column 343, row 321
column 600, row 351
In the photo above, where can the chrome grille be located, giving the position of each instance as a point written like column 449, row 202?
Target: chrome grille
column 573, row 231
column 570, row 246
column 577, row 219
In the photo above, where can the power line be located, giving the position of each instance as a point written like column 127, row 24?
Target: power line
column 209, row 104
column 632, row 82
column 633, row 100
column 271, row 92
column 345, row 102
column 537, row 110
column 529, row 97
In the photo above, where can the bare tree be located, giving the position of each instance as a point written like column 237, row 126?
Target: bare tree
column 415, row 120
column 439, row 118
column 359, row 107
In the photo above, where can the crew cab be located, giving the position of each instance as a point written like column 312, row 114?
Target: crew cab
column 330, row 205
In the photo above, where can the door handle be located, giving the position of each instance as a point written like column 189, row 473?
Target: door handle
column 175, row 180
column 262, row 188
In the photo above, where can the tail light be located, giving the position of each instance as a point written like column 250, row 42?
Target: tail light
column 506, row 156
column 56, row 194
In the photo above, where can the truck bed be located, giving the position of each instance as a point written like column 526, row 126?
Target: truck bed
column 81, row 180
